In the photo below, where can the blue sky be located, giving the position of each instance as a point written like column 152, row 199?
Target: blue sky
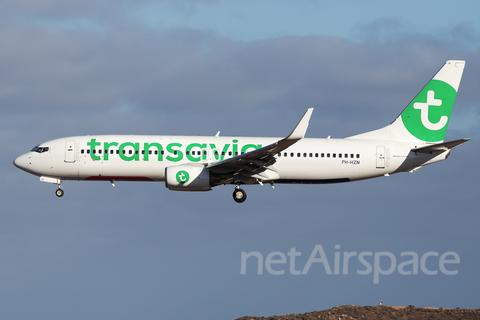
column 247, row 68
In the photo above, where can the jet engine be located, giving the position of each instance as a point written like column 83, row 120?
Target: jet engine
column 189, row 178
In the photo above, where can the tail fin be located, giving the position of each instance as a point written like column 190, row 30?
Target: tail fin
column 426, row 118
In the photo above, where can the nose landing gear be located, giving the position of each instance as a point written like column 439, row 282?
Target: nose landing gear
column 239, row 195
column 59, row 192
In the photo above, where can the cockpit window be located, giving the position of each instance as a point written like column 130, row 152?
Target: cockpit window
column 40, row 149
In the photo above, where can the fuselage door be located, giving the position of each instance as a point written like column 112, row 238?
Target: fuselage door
column 70, row 151
column 380, row 157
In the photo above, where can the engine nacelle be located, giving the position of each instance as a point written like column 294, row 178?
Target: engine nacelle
column 188, row 178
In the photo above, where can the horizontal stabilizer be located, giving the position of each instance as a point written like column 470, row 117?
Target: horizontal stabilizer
column 440, row 146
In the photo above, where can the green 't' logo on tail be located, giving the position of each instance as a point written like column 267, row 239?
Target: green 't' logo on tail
column 427, row 116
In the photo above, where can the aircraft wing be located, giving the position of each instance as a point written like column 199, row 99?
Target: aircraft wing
column 256, row 161
column 443, row 146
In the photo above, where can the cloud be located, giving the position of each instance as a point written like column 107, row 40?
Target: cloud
column 186, row 72
column 57, row 9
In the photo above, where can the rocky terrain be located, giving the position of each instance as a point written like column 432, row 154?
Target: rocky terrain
column 378, row 312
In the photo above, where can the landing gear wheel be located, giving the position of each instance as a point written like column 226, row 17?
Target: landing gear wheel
column 239, row 195
column 59, row 192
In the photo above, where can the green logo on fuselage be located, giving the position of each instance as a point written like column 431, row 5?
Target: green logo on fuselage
column 174, row 151
column 427, row 116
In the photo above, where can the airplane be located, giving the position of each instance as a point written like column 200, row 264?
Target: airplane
column 197, row 163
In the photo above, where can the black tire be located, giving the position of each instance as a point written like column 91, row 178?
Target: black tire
column 59, row 192
column 239, row 195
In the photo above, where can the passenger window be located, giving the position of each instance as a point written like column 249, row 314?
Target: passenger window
column 123, row 151
column 236, row 153
column 111, row 151
column 216, row 153
column 88, row 151
column 188, row 152
column 298, row 154
column 328, row 155
column 358, row 156
column 339, row 155
column 346, row 155
column 82, row 151
column 94, row 151
column 291, row 155
column 229, row 153
column 156, row 152
column 305, row 155
column 118, row 151
column 223, row 153
column 285, row 154
column 316, row 155
column 143, row 151
column 204, row 152
column 310, row 155
column 334, row 155
column 162, row 152
column 100, row 151
column 351, row 155
column 323, row 155
column 136, row 151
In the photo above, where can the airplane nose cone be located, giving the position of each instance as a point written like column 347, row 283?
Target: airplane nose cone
column 21, row 161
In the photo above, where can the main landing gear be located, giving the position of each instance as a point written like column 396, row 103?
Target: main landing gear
column 59, row 192
column 239, row 195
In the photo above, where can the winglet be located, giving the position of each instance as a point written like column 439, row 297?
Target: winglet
column 301, row 128
column 266, row 155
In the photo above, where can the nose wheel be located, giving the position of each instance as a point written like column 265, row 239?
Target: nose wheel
column 239, row 195
column 59, row 192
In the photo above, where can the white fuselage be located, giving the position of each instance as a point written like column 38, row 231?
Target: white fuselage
column 144, row 158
